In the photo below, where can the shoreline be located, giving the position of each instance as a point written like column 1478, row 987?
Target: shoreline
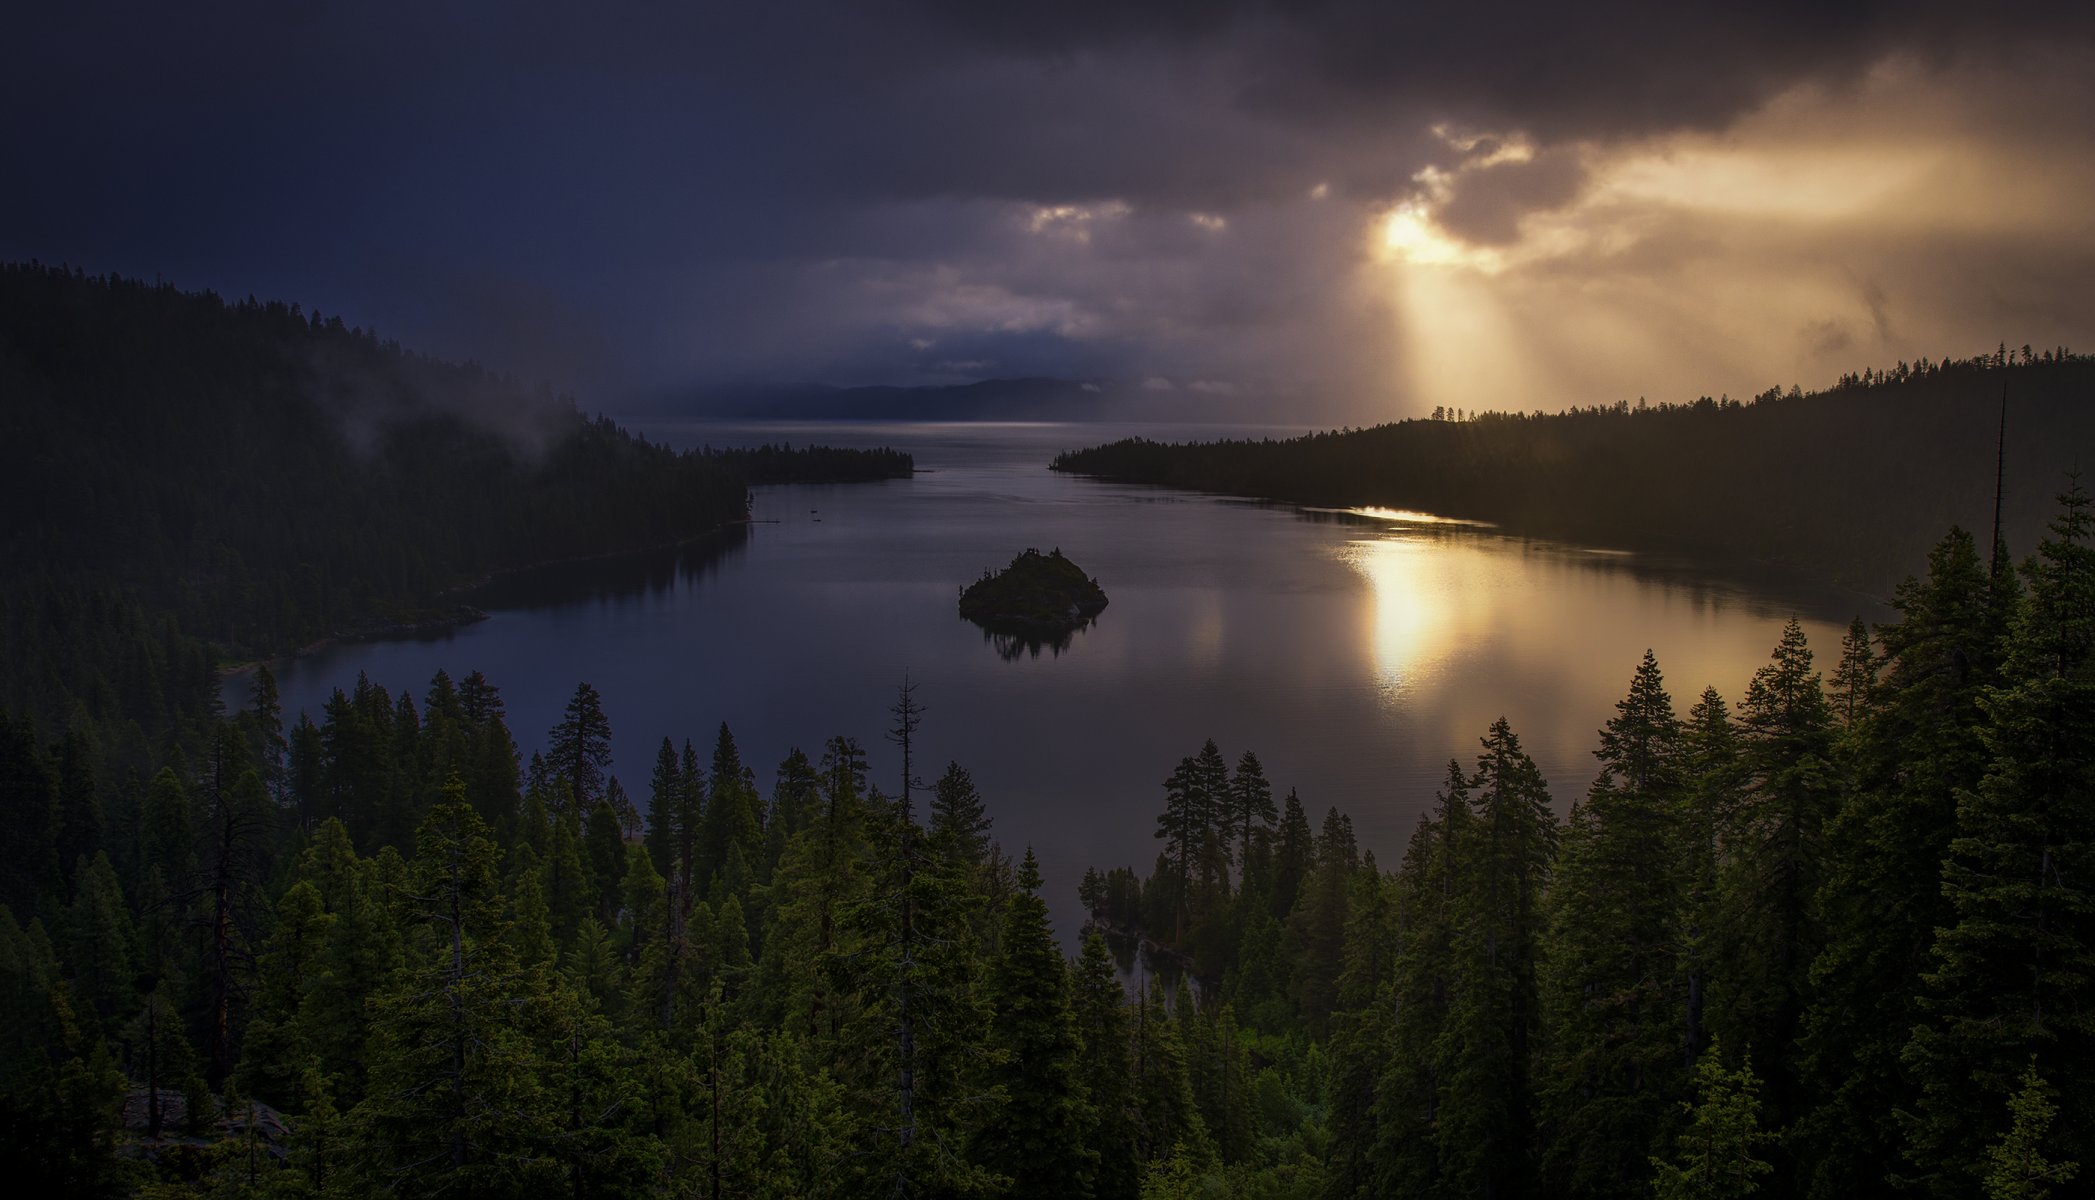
column 460, row 614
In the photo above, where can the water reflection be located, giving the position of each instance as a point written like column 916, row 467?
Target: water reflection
column 1355, row 652
column 1012, row 646
column 645, row 573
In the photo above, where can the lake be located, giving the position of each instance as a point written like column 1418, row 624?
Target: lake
column 1354, row 652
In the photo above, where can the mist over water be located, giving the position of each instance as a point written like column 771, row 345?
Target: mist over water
column 1354, row 652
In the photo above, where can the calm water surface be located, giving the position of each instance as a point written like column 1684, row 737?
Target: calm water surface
column 1356, row 653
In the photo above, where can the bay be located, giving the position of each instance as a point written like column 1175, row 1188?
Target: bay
column 1356, row 652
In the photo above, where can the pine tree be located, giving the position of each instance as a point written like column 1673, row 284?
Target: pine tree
column 662, row 806
column 1409, row 1095
column 456, row 1102
column 579, row 748
column 959, row 820
column 1716, row 1155
column 731, row 816
column 1610, row 984
column 1036, row 1137
column 1485, row 1127
column 603, row 843
column 1909, row 750
column 915, row 1013
column 275, row 1052
column 360, row 951
column 99, row 945
column 1183, row 828
column 2018, row 1169
column 2013, row 972
column 1166, row 1117
column 1360, row 1035
column 1291, row 855
column 492, row 778
column 1251, row 808
column 570, row 892
column 1098, row 1005
column 1771, row 930
column 1713, row 786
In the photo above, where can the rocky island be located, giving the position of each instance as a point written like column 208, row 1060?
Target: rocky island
column 1039, row 596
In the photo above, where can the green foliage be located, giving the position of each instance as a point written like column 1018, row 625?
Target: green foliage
column 1716, row 1155
column 1611, row 982
column 2013, row 971
column 1037, row 1137
column 2017, row 1168
column 811, row 994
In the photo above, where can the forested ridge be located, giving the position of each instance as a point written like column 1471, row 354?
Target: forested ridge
column 1826, row 936
column 190, row 479
column 1851, row 484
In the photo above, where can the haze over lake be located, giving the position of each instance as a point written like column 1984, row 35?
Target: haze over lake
column 1354, row 652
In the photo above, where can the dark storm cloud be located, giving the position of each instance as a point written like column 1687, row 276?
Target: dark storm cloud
column 1485, row 204
column 631, row 199
column 1596, row 69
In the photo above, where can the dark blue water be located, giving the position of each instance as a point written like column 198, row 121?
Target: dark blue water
column 1354, row 652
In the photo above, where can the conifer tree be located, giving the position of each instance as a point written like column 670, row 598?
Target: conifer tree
column 731, row 815
column 1036, row 1136
column 579, row 747
column 915, row 1013
column 456, row 1102
column 1771, row 929
column 1409, row 1094
column 1292, row 855
column 1910, row 750
column 1485, row 1128
column 1610, row 983
column 570, row 892
column 1099, row 1007
column 2013, row 973
column 491, row 776
column 275, row 1052
column 1716, row 1154
column 1360, row 1035
column 98, row 945
column 603, row 844
column 1250, row 805
column 2016, row 1166
column 1320, row 919
column 1166, row 1117
column 662, row 805
column 1183, row 828
column 959, row 820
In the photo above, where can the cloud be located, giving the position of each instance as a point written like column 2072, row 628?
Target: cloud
column 1370, row 207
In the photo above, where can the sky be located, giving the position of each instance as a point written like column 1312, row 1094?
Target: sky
column 1321, row 209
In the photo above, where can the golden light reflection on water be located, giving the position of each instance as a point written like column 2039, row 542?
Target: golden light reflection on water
column 1407, row 516
column 1430, row 597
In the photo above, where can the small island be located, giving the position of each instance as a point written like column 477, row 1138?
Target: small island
column 1039, row 596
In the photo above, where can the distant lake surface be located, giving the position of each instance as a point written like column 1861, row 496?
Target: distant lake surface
column 1354, row 652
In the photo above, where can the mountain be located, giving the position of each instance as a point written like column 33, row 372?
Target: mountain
column 985, row 400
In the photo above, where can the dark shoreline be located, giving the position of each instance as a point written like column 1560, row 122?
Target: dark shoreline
column 442, row 618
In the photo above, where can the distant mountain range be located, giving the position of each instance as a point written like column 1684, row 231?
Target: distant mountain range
column 987, row 400
column 1034, row 399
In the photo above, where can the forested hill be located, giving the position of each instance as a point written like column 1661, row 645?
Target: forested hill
column 188, row 477
column 383, row 956
column 1852, row 484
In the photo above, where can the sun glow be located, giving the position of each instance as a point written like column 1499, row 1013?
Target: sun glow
column 1410, row 235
